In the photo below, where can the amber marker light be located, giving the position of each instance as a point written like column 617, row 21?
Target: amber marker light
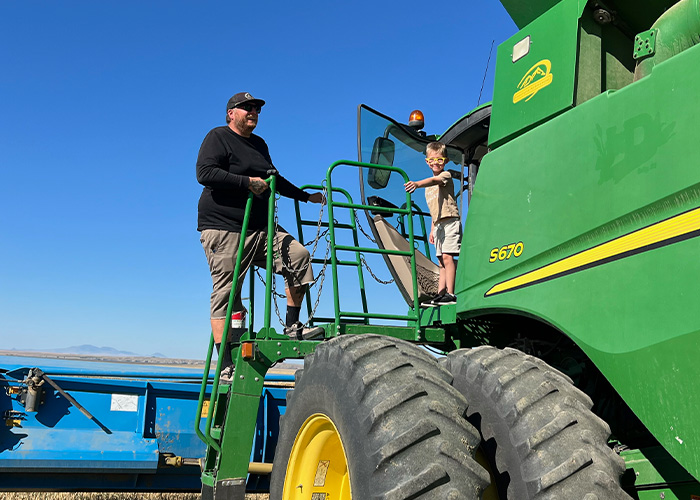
column 416, row 120
column 248, row 350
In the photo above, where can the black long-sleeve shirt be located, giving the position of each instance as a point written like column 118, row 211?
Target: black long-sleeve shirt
column 225, row 164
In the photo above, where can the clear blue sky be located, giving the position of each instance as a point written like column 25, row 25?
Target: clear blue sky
column 105, row 105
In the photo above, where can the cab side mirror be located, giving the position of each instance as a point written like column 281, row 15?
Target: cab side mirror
column 382, row 154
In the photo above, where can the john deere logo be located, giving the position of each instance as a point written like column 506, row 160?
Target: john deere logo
column 536, row 78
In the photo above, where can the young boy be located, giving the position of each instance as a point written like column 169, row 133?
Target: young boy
column 446, row 228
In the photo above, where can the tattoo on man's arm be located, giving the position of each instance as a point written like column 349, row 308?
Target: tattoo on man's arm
column 257, row 186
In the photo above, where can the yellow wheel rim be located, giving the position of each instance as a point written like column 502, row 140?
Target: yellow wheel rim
column 317, row 468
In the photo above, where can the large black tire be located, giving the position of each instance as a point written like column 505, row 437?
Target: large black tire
column 401, row 424
column 207, row 492
column 539, row 435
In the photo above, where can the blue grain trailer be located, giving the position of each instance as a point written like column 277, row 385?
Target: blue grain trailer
column 74, row 425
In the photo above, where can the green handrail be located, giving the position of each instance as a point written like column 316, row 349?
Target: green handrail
column 206, row 436
column 270, row 253
column 425, row 236
column 353, row 227
column 413, row 314
column 202, row 394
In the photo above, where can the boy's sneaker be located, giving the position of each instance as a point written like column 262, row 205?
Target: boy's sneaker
column 444, row 300
column 226, row 375
column 429, row 302
column 298, row 332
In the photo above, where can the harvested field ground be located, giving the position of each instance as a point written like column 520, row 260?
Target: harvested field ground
column 45, row 495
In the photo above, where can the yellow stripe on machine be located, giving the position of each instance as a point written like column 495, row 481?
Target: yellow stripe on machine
column 658, row 234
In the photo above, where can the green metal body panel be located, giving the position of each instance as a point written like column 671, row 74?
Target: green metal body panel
column 541, row 83
column 239, row 425
column 637, row 15
column 444, row 315
column 677, row 30
column 619, row 163
column 523, row 13
column 424, row 335
column 653, row 469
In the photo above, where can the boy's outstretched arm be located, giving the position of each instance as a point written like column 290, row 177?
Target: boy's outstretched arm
column 423, row 183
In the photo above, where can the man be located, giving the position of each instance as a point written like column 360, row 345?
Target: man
column 233, row 162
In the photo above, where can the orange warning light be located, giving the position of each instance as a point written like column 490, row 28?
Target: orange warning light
column 416, row 120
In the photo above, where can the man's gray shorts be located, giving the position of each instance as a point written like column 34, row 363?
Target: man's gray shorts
column 290, row 259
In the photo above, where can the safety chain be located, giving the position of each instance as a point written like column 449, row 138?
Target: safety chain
column 319, row 279
column 262, row 280
column 321, row 275
column 319, row 233
column 317, row 238
column 380, row 281
column 274, row 296
column 363, row 231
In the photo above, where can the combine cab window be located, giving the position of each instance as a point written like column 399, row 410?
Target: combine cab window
column 384, row 141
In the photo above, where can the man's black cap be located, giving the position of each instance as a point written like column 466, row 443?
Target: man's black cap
column 242, row 97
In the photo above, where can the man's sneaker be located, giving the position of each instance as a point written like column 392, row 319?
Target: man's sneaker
column 226, row 375
column 298, row 332
column 443, row 300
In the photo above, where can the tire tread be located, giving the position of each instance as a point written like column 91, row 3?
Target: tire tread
column 545, row 436
column 406, row 427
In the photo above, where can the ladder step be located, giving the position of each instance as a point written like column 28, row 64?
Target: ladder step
column 216, row 433
column 337, row 225
column 340, row 262
column 319, row 319
column 224, row 389
column 221, row 400
column 348, row 263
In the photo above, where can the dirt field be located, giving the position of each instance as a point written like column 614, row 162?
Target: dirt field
column 112, row 496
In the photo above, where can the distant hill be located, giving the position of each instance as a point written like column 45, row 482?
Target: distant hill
column 91, row 350
column 155, row 359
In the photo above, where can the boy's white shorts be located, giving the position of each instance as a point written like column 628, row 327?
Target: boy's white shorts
column 448, row 236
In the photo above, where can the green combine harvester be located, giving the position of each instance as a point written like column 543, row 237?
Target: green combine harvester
column 572, row 356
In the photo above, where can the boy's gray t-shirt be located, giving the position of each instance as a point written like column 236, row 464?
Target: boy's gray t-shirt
column 441, row 198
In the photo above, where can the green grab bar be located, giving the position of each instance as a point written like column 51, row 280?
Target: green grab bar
column 334, row 259
column 206, row 437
